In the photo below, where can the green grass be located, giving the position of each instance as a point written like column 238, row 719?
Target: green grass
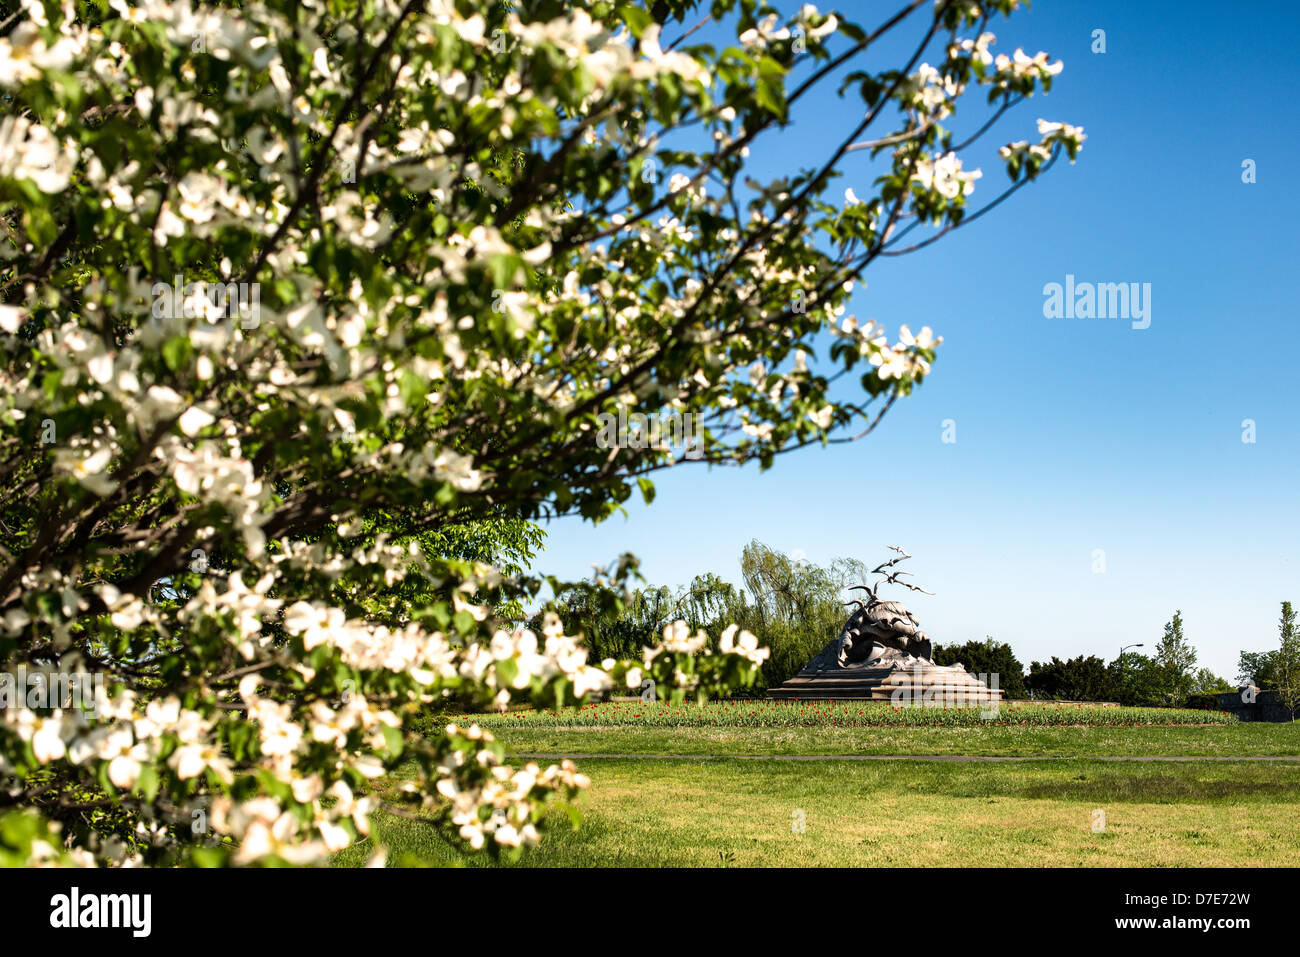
column 896, row 813
column 843, row 714
column 738, row 811
column 768, row 728
column 1234, row 740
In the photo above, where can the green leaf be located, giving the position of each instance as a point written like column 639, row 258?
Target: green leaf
column 636, row 19
column 393, row 741
column 770, row 89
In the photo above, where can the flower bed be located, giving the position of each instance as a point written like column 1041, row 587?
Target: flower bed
column 844, row 714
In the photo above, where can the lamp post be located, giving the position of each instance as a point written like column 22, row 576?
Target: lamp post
column 1121, row 656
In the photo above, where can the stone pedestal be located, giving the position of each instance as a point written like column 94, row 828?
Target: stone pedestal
column 910, row 682
column 883, row 655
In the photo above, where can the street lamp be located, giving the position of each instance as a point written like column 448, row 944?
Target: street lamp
column 1121, row 656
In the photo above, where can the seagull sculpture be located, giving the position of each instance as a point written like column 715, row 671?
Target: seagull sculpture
column 887, row 624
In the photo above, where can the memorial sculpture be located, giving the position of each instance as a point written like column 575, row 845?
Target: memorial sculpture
column 882, row 654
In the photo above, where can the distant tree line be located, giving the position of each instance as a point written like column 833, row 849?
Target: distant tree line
column 797, row 608
column 1277, row 670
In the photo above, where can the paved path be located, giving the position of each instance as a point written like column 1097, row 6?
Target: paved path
column 903, row 757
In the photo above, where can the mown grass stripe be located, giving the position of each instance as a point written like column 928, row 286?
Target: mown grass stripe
column 538, row 756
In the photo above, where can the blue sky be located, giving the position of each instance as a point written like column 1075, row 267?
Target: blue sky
column 1072, row 434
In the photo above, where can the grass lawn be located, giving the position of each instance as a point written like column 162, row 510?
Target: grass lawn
column 732, row 812
column 1233, row 740
column 759, row 728
column 737, row 809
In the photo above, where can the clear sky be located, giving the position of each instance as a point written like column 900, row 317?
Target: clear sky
column 1072, row 434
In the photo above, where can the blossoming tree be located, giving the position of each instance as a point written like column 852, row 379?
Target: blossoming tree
column 293, row 292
